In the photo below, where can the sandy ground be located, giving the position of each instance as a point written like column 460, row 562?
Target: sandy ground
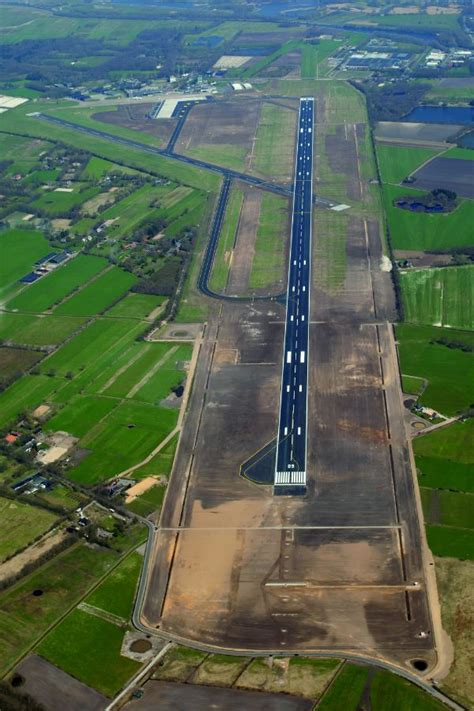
column 17, row 563
column 139, row 488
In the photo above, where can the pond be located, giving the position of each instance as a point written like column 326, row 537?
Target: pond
column 442, row 114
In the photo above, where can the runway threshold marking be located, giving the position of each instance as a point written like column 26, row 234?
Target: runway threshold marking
column 290, row 465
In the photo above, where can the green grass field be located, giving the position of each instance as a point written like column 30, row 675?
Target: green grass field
column 169, row 375
column 148, row 502
column 277, row 127
column 20, row 524
column 313, row 54
column 24, row 617
column 448, row 508
column 398, row 162
column 31, row 330
column 81, row 414
column 449, row 371
column 25, row 395
column 135, row 306
column 53, row 287
column 268, row 266
column 331, row 248
column 123, row 439
column 93, row 342
column 161, row 464
column 348, row 684
column 445, row 458
column 229, row 155
column 69, row 647
column 451, row 542
column 19, row 250
column 439, row 297
column 419, row 231
column 221, row 265
column 24, row 152
column 141, row 358
column 59, row 203
column 117, row 593
column 389, row 692
column 99, row 294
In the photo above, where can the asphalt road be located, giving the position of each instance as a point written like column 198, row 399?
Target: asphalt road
column 292, row 426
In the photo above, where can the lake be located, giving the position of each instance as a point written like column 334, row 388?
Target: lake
column 441, row 114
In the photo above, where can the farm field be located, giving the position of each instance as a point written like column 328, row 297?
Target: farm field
column 68, row 646
column 419, row 231
column 59, row 203
column 439, row 297
column 24, row 617
column 448, row 508
column 14, row 361
column 20, row 524
column 33, row 330
column 268, row 266
column 277, row 127
column 99, row 294
column 445, row 458
column 135, row 306
column 348, row 685
column 225, row 245
column 25, row 395
column 176, row 205
column 123, row 439
column 145, row 358
column 161, row 464
column 389, row 692
column 23, row 152
column 170, row 374
column 117, row 593
column 81, row 414
column 397, row 162
column 20, row 249
column 53, row 287
column 449, row 371
column 45, row 26
column 102, row 338
column 451, row 542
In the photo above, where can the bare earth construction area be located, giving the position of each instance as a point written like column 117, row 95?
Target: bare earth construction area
column 339, row 570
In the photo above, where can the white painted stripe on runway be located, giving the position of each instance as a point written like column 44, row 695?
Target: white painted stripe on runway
column 288, row 356
column 302, row 356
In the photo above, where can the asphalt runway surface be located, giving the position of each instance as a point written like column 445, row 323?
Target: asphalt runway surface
column 293, row 421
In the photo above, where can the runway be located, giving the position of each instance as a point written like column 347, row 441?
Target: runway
column 290, row 469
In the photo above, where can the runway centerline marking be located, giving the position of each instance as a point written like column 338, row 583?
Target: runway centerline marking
column 291, row 451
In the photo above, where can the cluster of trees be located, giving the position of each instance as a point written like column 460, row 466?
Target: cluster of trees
column 392, row 102
column 457, row 345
